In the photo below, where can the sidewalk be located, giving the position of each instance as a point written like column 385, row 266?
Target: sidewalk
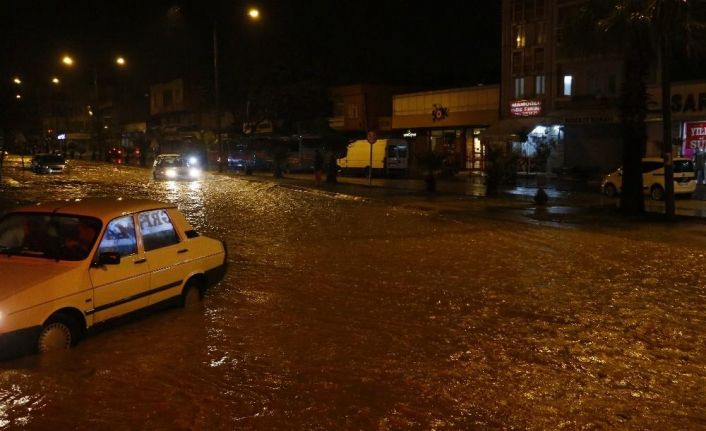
column 464, row 196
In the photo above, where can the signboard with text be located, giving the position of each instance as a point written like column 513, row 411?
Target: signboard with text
column 526, row 108
column 694, row 138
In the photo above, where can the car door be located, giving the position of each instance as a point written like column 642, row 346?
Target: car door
column 165, row 252
column 122, row 288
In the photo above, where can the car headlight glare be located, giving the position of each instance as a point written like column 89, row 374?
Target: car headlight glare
column 194, row 173
column 171, row 173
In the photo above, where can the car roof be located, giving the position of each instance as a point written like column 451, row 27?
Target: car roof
column 102, row 208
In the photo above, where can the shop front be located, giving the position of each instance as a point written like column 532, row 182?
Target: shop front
column 688, row 106
column 447, row 122
column 537, row 140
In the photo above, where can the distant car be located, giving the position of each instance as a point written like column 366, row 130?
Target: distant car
column 69, row 265
column 48, row 164
column 653, row 178
column 176, row 167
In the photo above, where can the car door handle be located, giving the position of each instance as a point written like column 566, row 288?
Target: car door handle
column 140, row 261
column 183, row 250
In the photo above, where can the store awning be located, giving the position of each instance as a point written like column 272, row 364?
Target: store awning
column 513, row 127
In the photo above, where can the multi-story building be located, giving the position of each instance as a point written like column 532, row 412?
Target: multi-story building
column 183, row 117
column 361, row 107
column 555, row 94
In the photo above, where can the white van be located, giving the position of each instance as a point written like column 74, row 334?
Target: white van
column 653, row 178
column 389, row 156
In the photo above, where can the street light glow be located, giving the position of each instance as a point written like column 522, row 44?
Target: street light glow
column 67, row 60
column 18, row 96
column 120, row 61
column 55, row 80
column 254, row 13
column 17, row 81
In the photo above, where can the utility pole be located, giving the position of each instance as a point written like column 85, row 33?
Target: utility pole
column 217, row 91
column 665, row 48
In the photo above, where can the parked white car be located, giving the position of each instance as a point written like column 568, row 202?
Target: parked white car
column 653, row 178
column 67, row 266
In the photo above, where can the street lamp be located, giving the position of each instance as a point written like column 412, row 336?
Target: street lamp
column 120, row 61
column 55, row 80
column 17, row 81
column 18, row 96
column 67, row 60
column 253, row 14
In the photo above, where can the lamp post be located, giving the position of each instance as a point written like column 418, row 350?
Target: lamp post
column 254, row 15
column 93, row 109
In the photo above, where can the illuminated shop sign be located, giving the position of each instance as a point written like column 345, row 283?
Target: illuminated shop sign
column 694, row 138
column 526, row 108
column 410, row 134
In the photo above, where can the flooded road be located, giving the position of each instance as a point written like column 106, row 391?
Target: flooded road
column 344, row 313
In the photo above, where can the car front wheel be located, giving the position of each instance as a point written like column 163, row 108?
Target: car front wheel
column 60, row 332
column 610, row 190
column 657, row 193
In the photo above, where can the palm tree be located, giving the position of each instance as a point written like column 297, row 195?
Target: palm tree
column 648, row 30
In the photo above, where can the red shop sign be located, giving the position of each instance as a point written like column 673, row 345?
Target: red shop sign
column 694, row 137
column 526, row 108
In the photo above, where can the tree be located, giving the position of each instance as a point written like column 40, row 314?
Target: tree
column 648, row 31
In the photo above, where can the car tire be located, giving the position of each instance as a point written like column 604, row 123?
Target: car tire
column 657, row 193
column 60, row 332
column 192, row 295
column 610, row 190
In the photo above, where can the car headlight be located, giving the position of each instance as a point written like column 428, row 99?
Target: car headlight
column 171, row 173
column 193, row 161
column 194, row 173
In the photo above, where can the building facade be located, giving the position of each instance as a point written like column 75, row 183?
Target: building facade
column 362, row 107
column 553, row 94
column 449, row 122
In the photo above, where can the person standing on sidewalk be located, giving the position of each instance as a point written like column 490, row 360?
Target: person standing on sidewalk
column 699, row 161
column 318, row 166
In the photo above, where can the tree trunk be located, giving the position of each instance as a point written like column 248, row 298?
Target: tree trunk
column 634, row 105
column 665, row 51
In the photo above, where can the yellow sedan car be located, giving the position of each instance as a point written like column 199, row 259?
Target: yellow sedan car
column 66, row 266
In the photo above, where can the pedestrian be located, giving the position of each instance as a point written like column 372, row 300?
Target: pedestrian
column 699, row 162
column 318, row 166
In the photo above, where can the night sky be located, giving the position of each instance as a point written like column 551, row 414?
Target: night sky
column 425, row 44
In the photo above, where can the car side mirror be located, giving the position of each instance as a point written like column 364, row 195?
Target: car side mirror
column 108, row 258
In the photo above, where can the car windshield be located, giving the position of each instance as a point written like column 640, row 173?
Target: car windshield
column 174, row 162
column 50, row 159
column 49, row 236
column 681, row 166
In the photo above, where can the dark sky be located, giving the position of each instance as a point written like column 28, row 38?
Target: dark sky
column 426, row 44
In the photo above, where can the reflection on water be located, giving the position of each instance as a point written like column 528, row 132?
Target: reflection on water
column 345, row 314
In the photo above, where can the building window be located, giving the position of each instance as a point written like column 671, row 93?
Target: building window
column 567, row 89
column 540, row 33
column 519, row 87
column 539, row 60
column 529, row 10
column 520, row 36
column 539, row 10
column 540, row 84
column 338, row 107
column 517, row 11
column 167, row 98
column 517, row 62
column 352, row 111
